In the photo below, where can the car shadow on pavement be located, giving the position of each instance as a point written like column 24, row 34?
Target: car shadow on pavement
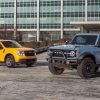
column 97, row 74
column 37, row 64
column 40, row 63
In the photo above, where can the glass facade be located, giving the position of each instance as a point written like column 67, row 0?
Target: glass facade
column 50, row 15
column 74, row 10
column 7, row 13
column 93, row 10
column 26, row 14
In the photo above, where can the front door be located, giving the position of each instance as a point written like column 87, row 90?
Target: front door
column 1, row 53
column 97, row 52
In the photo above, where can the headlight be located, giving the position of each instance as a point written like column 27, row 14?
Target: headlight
column 72, row 53
column 35, row 54
column 49, row 52
column 20, row 53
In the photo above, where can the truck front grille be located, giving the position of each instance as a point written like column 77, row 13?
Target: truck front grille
column 57, row 53
column 30, row 53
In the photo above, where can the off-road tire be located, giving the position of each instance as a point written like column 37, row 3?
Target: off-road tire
column 86, row 69
column 10, row 61
column 55, row 70
column 96, row 68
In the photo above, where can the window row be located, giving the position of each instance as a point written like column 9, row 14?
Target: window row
column 93, row 1
column 6, row 26
column 56, row 14
column 26, row 4
column 74, row 2
column 50, row 14
column 26, row 26
column 34, row 26
column 50, row 3
column 93, row 14
column 67, row 25
column 26, row 15
column 6, row 15
column 10, row 4
column 44, row 26
column 74, row 14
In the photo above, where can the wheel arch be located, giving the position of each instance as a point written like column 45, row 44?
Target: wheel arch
column 7, row 55
column 89, row 56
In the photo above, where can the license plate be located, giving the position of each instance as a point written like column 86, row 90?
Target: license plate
column 58, row 61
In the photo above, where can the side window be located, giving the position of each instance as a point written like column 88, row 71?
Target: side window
column 1, row 47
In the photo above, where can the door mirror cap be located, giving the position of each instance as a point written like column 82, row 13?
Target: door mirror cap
column 66, row 42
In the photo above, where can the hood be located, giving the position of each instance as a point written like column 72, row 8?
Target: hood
column 71, row 47
column 24, row 49
column 64, row 47
column 20, row 49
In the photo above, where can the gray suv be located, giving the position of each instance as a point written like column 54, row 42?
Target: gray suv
column 83, row 53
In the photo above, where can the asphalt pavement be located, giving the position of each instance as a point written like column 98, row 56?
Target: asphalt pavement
column 37, row 83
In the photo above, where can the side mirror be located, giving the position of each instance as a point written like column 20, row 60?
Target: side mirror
column 66, row 42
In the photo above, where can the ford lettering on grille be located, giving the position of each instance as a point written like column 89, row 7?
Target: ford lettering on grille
column 57, row 54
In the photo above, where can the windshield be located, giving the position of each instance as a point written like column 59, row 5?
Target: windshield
column 84, row 40
column 11, row 44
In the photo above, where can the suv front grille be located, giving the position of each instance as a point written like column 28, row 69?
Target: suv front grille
column 58, row 53
column 30, row 53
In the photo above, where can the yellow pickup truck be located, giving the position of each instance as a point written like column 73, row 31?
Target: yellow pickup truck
column 12, row 52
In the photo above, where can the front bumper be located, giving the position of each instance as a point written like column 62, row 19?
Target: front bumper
column 24, row 59
column 27, row 60
column 63, row 63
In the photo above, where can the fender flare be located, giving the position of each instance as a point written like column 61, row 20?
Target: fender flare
column 87, row 54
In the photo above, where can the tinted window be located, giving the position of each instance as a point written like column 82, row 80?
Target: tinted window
column 11, row 44
column 84, row 40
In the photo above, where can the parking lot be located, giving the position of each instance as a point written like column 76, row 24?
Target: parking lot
column 37, row 83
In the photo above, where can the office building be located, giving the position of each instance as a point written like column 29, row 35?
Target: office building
column 41, row 20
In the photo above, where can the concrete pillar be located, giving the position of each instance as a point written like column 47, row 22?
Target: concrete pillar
column 15, row 11
column 83, row 29
column 38, row 28
column 86, row 5
column 61, row 19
